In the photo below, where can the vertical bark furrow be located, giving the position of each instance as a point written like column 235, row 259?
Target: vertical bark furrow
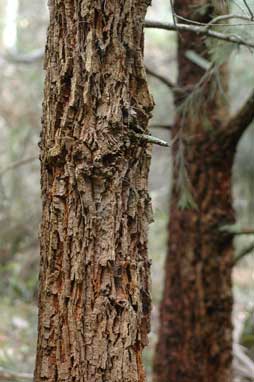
column 94, row 302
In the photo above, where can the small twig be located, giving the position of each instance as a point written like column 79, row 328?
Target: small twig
column 238, row 123
column 244, row 231
column 24, row 58
column 249, row 9
column 225, row 17
column 16, row 164
column 150, row 139
column 238, row 5
column 198, row 60
column 244, row 359
column 245, row 252
column 234, row 230
column 232, row 38
column 173, row 13
column 214, row 22
column 160, row 126
column 161, row 78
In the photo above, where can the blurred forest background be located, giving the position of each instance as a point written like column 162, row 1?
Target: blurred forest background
column 23, row 26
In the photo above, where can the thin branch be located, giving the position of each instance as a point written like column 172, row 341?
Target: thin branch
column 235, row 230
column 16, row 164
column 244, row 231
column 226, row 17
column 173, row 13
column 238, row 5
column 249, row 9
column 214, row 22
column 160, row 126
column 232, row 38
column 241, row 120
column 161, row 78
column 29, row 58
column 197, row 59
column 245, row 252
column 150, row 139
column 244, row 360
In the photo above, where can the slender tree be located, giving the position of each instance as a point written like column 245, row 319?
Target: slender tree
column 94, row 301
column 195, row 335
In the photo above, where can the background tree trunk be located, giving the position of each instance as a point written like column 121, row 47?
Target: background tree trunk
column 94, row 300
column 195, row 335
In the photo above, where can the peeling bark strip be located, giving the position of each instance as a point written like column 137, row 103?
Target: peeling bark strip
column 94, row 301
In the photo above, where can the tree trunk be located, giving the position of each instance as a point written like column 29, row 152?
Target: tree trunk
column 94, row 299
column 195, row 335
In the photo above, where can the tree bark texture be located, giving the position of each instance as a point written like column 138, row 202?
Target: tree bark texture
column 195, row 335
column 94, row 299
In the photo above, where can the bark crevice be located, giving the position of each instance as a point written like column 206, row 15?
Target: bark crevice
column 94, row 301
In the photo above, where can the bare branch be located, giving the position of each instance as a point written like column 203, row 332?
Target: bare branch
column 29, row 58
column 249, row 9
column 150, row 139
column 161, row 78
column 216, row 20
column 248, row 364
column 202, row 30
column 241, row 120
column 244, row 231
column 16, row 164
column 160, row 126
column 197, row 59
column 235, row 230
column 245, row 252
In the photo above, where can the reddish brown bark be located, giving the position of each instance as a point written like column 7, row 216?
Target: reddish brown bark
column 195, row 335
column 94, row 300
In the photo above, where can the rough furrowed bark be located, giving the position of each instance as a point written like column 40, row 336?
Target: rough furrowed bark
column 94, row 300
column 196, row 332
column 195, row 335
